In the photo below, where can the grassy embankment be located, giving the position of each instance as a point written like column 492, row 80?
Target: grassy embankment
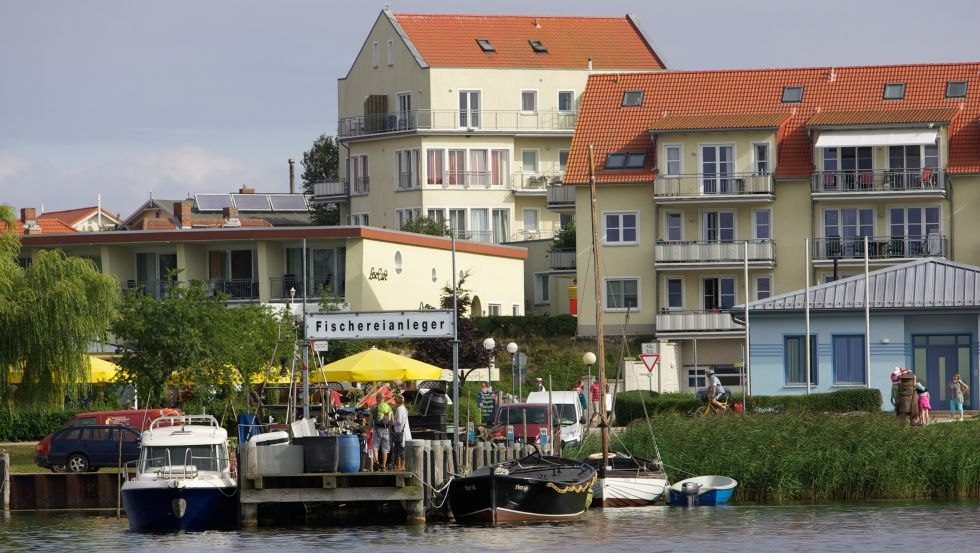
column 21, row 457
column 815, row 457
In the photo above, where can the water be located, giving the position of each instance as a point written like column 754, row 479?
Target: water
column 865, row 527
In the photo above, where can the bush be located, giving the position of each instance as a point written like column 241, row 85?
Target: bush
column 630, row 405
column 840, row 401
column 17, row 425
column 542, row 326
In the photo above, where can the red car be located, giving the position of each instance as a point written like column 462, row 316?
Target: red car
column 533, row 416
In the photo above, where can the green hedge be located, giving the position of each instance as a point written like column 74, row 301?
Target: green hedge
column 840, row 401
column 630, row 405
column 542, row 326
column 18, row 425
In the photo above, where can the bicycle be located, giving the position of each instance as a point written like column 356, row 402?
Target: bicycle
column 709, row 408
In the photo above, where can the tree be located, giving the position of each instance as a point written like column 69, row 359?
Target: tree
column 565, row 237
column 321, row 163
column 440, row 352
column 427, row 225
column 49, row 313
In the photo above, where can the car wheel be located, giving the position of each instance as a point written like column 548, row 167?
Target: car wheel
column 59, row 468
column 77, row 463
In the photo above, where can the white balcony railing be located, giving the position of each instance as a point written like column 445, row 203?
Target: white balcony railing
column 711, row 186
column 706, row 252
column 455, row 120
column 696, row 321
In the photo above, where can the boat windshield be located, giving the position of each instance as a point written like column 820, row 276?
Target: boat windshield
column 204, row 457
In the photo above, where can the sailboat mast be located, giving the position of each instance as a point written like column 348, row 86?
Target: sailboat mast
column 600, row 338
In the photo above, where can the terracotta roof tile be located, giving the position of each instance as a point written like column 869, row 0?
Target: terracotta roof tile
column 451, row 41
column 50, row 226
column 719, row 121
column 610, row 127
column 154, row 223
column 882, row 117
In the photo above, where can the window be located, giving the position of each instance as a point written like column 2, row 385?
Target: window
column 457, row 222
column 359, row 219
column 956, row 89
column 763, row 287
column 625, row 160
column 562, row 160
column 718, row 226
column 717, row 168
column 794, row 351
column 434, row 166
column 499, row 167
column 848, row 352
column 493, row 309
column 485, row 45
column 761, row 161
column 515, row 310
column 672, row 160
column 375, row 55
column 530, row 219
column 674, row 222
column 529, row 100
column 541, row 291
column 894, row 91
column 622, row 294
column 620, row 228
column 479, row 169
column 675, row 293
column 391, row 52
column 469, row 109
column 407, row 169
column 914, row 225
column 633, row 98
column 719, row 293
column 457, row 167
column 538, row 47
column 529, row 161
column 500, row 222
column 792, row 94
column 480, row 225
column 437, row 215
column 359, row 174
column 566, row 101
column 404, row 100
column 762, row 223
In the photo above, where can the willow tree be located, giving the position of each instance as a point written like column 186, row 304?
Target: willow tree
column 49, row 313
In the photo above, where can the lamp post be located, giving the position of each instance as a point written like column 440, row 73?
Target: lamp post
column 512, row 350
column 589, row 359
column 489, row 344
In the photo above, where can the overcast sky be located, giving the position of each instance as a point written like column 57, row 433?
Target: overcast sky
column 133, row 99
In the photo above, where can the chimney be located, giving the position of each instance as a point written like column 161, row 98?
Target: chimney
column 182, row 213
column 246, row 190
column 28, row 216
column 230, row 215
column 292, row 177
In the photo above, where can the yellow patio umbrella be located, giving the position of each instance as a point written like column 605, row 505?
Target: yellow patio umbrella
column 101, row 371
column 375, row 365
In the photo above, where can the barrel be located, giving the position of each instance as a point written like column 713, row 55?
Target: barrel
column 320, row 453
column 350, row 453
column 433, row 402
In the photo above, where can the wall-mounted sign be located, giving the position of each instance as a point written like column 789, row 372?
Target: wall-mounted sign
column 426, row 323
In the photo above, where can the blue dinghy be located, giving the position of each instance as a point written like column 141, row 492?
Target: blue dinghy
column 705, row 490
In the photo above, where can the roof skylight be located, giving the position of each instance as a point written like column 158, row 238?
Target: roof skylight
column 792, row 94
column 894, row 91
column 538, row 47
column 485, row 45
column 956, row 89
column 633, row 98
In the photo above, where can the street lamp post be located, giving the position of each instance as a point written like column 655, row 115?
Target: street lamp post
column 489, row 344
column 514, row 375
column 589, row 359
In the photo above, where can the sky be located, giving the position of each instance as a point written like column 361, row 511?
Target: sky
column 130, row 100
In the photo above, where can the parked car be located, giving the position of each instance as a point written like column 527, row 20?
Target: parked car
column 569, row 410
column 535, row 415
column 134, row 418
column 87, row 448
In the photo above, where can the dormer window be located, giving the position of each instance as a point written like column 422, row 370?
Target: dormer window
column 538, row 47
column 792, row 94
column 625, row 160
column 956, row 89
column 633, row 98
column 485, row 45
column 894, row 91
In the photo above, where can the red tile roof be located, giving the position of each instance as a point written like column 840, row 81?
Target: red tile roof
column 611, row 127
column 879, row 117
column 202, row 221
column 720, row 121
column 613, row 43
column 50, row 226
column 73, row 216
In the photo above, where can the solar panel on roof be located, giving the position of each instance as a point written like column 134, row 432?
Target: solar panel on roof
column 212, row 202
column 288, row 202
column 251, row 202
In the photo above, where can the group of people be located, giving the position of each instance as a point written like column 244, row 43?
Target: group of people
column 956, row 390
column 388, row 421
column 595, row 395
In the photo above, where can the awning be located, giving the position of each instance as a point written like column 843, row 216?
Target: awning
column 890, row 137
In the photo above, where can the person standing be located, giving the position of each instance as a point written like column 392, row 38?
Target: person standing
column 957, row 388
column 539, row 385
column 382, row 419
column 925, row 405
column 596, row 393
column 403, row 433
column 485, row 399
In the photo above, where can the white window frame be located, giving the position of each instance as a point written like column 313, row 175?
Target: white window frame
column 680, row 228
column 755, row 286
column 721, row 179
column 619, row 215
column 437, row 214
column 755, row 158
column 719, row 278
column 703, row 231
column 360, row 219
column 470, row 111
column 571, row 101
column 375, row 54
column 493, row 309
column 515, row 310
column 435, row 176
column 562, row 165
column 536, row 223
column 605, row 295
column 542, row 288
column 533, row 95
column 667, row 306
column 680, row 160
column 537, row 160
column 411, row 157
column 391, row 52
column 756, row 225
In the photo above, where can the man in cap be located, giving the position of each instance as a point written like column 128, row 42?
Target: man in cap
column 538, row 385
column 714, row 389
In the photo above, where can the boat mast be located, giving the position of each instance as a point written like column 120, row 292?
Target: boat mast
column 600, row 338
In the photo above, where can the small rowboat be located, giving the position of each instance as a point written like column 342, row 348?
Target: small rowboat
column 701, row 490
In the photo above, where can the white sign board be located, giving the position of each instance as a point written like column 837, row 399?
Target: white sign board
column 320, row 345
column 427, row 323
column 648, row 347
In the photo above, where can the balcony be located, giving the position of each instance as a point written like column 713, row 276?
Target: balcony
column 562, row 260
column 880, row 248
column 696, row 322
column 480, row 180
column 701, row 188
column 331, row 191
column 536, row 183
column 235, row 289
column 279, row 288
column 561, row 198
column 154, row 288
column 700, row 254
column 467, row 121
column 892, row 183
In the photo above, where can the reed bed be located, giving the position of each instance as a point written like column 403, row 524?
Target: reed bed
column 806, row 457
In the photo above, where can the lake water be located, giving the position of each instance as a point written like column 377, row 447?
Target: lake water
column 864, row 527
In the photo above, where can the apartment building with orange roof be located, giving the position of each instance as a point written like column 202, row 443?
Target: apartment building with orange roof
column 468, row 119
column 783, row 174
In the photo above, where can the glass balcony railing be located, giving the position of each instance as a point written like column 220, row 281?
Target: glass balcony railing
column 890, row 181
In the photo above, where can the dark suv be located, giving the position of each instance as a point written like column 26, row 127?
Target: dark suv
column 87, row 448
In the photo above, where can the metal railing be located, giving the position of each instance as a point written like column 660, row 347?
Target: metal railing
column 696, row 321
column 324, row 189
column 536, row 180
column 710, row 185
column 683, row 251
column 468, row 179
column 562, row 259
column 561, row 196
column 881, row 247
column 864, row 181
column 235, row 288
column 458, row 120
column 316, row 287
column 153, row 288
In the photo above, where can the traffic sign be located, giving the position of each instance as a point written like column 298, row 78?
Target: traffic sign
column 520, row 364
column 650, row 360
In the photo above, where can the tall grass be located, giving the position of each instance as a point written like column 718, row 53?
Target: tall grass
column 794, row 457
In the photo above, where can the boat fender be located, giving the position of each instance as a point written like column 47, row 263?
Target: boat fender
column 501, row 471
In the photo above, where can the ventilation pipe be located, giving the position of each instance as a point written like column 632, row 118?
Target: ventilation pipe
column 292, row 176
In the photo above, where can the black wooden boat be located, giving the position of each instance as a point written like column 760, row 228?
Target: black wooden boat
column 536, row 488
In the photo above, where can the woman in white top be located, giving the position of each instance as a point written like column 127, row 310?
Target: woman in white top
column 402, row 432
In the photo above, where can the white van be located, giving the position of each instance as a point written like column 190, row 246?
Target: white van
column 569, row 410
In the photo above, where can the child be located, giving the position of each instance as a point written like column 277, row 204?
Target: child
column 924, row 405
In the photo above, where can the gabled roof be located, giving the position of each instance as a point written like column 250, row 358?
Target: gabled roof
column 166, row 208
column 921, row 284
column 612, row 43
column 72, row 217
column 726, row 121
column 610, row 126
column 49, row 226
